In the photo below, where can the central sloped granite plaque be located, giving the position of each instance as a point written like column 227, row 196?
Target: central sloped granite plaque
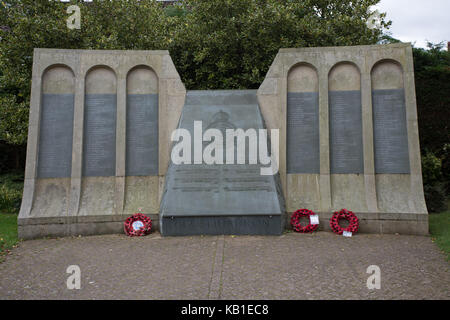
column 221, row 199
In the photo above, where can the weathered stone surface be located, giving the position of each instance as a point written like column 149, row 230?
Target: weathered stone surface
column 109, row 168
column 368, row 137
column 77, row 138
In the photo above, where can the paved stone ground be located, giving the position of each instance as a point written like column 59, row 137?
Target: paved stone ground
column 293, row 266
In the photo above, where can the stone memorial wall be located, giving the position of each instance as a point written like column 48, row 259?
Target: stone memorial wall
column 99, row 139
column 99, row 144
column 367, row 134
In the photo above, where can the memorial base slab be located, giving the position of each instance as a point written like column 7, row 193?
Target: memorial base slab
column 226, row 225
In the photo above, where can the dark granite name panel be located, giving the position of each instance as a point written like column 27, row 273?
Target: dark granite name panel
column 390, row 132
column 220, row 190
column 56, row 134
column 195, row 190
column 346, row 145
column 303, row 151
column 99, row 144
column 226, row 225
column 142, row 135
column 221, row 198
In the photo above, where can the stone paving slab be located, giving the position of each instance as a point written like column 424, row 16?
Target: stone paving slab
column 292, row 266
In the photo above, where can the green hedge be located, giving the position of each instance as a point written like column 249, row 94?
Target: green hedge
column 11, row 188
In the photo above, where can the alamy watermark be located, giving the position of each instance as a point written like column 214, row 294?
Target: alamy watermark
column 211, row 147
column 74, row 20
column 74, row 280
column 374, row 20
column 374, row 280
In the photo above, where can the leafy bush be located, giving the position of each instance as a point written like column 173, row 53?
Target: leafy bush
column 434, row 189
column 435, row 198
column 445, row 170
column 13, row 120
column 431, row 169
column 11, row 188
column 432, row 76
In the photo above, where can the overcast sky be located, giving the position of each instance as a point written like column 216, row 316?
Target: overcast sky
column 418, row 20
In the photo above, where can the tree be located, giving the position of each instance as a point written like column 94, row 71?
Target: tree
column 29, row 24
column 221, row 44
column 432, row 75
column 226, row 44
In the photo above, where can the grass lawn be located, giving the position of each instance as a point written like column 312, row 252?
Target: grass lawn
column 8, row 232
column 440, row 231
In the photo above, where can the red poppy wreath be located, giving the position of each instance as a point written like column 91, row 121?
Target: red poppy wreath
column 137, row 225
column 347, row 215
column 295, row 221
